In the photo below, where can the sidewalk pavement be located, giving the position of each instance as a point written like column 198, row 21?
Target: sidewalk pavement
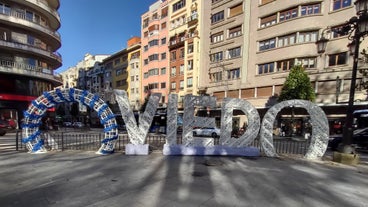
column 74, row 178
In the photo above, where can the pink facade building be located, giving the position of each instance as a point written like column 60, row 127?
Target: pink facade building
column 154, row 33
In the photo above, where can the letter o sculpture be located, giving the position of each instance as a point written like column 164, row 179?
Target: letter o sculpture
column 35, row 112
column 320, row 128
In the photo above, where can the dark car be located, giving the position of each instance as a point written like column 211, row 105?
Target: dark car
column 360, row 139
column 4, row 126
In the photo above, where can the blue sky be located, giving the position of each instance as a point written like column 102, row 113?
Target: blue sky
column 97, row 27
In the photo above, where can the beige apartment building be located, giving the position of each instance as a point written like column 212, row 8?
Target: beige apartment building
column 251, row 55
column 134, row 72
column 188, row 52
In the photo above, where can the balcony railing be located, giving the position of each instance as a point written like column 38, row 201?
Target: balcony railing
column 44, row 5
column 33, row 48
column 26, row 69
column 44, row 28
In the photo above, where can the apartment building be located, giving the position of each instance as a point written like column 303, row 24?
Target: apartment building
column 228, row 54
column 78, row 75
column 134, row 72
column 154, row 33
column 28, row 53
column 251, row 59
column 286, row 33
column 188, row 48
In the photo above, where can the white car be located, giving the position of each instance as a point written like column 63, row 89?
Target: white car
column 207, row 132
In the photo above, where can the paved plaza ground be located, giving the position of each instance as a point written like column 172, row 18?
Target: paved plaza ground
column 75, row 178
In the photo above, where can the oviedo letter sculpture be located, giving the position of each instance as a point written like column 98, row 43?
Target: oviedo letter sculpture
column 32, row 117
column 137, row 132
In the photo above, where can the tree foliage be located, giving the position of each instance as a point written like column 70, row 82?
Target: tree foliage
column 297, row 86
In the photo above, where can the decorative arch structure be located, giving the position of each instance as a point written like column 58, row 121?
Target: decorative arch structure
column 320, row 128
column 38, row 107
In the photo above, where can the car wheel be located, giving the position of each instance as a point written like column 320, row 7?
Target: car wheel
column 214, row 135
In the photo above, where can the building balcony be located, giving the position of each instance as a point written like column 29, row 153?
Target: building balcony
column 29, row 70
column 193, row 19
column 53, row 57
column 15, row 19
column 176, row 42
column 49, row 11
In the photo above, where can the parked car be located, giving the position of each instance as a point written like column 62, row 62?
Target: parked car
column 4, row 127
column 78, row 124
column 207, row 132
column 360, row 138
column 67, row 124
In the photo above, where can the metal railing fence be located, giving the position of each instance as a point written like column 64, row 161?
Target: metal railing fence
column 92, row 142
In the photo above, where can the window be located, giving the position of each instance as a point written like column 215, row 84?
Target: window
column 289, row 14
column 163, row 56
column 181, row 84
column 163, row 41
column 181, row 69
column 153, row 86
column 173, row 85
column 310, row 9
column 217, row 17
column 337, row 59
column 339, row 4
column 137, row 78
column 190, row 82
column 216, row 77
column 153, row 57
column 163, row 85
column 173, row 55
column 145, row 23
column 216, row 57
column 267, row 44
column 235, row 31
column 285, row 65
column 286, row 40
column 190, row 48
column 266, row 68
column 163, row 71
column 307, row 62
column 238, row 9
column 153, row 43
column 182, row 53
column 4, row 9
column 145, row 75
column 117, row 61
column 268, row 21
column 145, row 48
column 190, row 64
column 119, row 72
column 164, row 12
column 178, row 5
column 339, row 31
column 217, row 37
column 233, row 74
column 153, row 71
column 173, row 71
column 234, row 52
column 145, row 61
column 307, row 36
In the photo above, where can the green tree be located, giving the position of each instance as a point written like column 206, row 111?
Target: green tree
column 297, row 86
